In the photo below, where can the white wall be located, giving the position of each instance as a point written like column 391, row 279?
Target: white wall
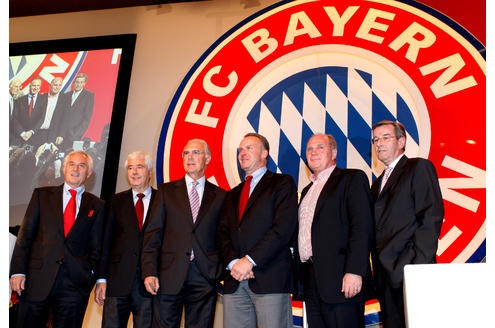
column 170, row 38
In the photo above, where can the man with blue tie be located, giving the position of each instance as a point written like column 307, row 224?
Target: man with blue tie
column 180, row 263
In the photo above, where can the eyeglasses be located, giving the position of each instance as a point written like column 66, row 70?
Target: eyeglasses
column 385, row 138
column 193, row 152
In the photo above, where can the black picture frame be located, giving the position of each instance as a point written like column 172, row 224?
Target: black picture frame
column 123, row 42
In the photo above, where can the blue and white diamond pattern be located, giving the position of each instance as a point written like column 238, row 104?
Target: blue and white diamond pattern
column 337, row 100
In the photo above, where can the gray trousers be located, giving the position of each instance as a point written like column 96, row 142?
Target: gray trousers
column 245, row 309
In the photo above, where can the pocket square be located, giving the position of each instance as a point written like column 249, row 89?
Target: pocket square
column 90, row 214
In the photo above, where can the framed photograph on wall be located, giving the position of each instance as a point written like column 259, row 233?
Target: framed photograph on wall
column 80, row 89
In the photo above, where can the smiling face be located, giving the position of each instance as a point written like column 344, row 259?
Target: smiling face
column 387, row 146
column 251, row 154
column 76, row 169
column 35, row 86
column 320, row 154
column 195, row 159
column 138, row 174
column 55, row 86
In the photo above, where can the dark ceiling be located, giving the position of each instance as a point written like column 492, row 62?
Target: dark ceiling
column 19, row 8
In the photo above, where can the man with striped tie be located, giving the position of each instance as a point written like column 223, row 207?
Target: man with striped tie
column 180, row 264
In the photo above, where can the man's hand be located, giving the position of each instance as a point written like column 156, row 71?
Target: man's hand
column 152, row 284
column 351, row 284
column 100, row 293
column 17, row 284
column 242, row 270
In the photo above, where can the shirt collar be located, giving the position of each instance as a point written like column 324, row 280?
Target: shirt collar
column 395, row 161
column 323, row 175
column 258, row 174
column 79, row 190
column 146, row 192
column 189, row 180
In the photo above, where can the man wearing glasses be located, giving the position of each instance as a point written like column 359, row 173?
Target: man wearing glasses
column 409, row 212
column 180, row 263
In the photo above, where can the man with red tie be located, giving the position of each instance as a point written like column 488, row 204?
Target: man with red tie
column 29, row 112
column 57, row 251
column 257, row 224
column 180, row 259
column 119, row 287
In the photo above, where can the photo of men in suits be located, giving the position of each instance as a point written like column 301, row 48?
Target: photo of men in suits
column 14, row 93
column 180, row 263
column 258, row 221
column 408, row 211
column 29, row 113
column 78, row 113
column 119, row 287
column 334, row 238
column 55, row 106
column 57, row 252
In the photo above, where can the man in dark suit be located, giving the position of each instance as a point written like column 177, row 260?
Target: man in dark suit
column 55, row 106
column 408, row 217
column 334, row 238
column 56, row 255
column 29, row 112
column 14, row 93
column 77, row 115
column 180, row 262
column 254, row 237
column 119, row 286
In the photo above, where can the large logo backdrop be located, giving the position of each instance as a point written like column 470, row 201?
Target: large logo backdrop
column 302, row 67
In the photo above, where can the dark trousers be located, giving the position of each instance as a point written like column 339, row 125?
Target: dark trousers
column 117, row 310
column 325, row 315
column 66, row 303
column 391, row 301
column 198, row 296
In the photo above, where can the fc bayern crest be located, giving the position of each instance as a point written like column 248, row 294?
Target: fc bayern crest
column 304, row 67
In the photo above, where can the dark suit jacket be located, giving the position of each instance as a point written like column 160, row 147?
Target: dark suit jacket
column 21, row 120
column 58, row 118
column 76, row 117
column 408, row 217
column 41, row 243
column 342, row 232
column 171, row 234
column 122, row 244
column 264, row 233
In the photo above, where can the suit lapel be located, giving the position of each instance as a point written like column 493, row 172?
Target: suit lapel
column 258, row 190
column 183, row 197
column 148, row 214
column 327, row 188
column 394, row 176
column 130, row 209
column 208, row 198
column 57, row 203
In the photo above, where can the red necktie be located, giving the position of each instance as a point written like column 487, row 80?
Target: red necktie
column 140, row 210
column 244, row 195
column 70, row 212
column 31, row 103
